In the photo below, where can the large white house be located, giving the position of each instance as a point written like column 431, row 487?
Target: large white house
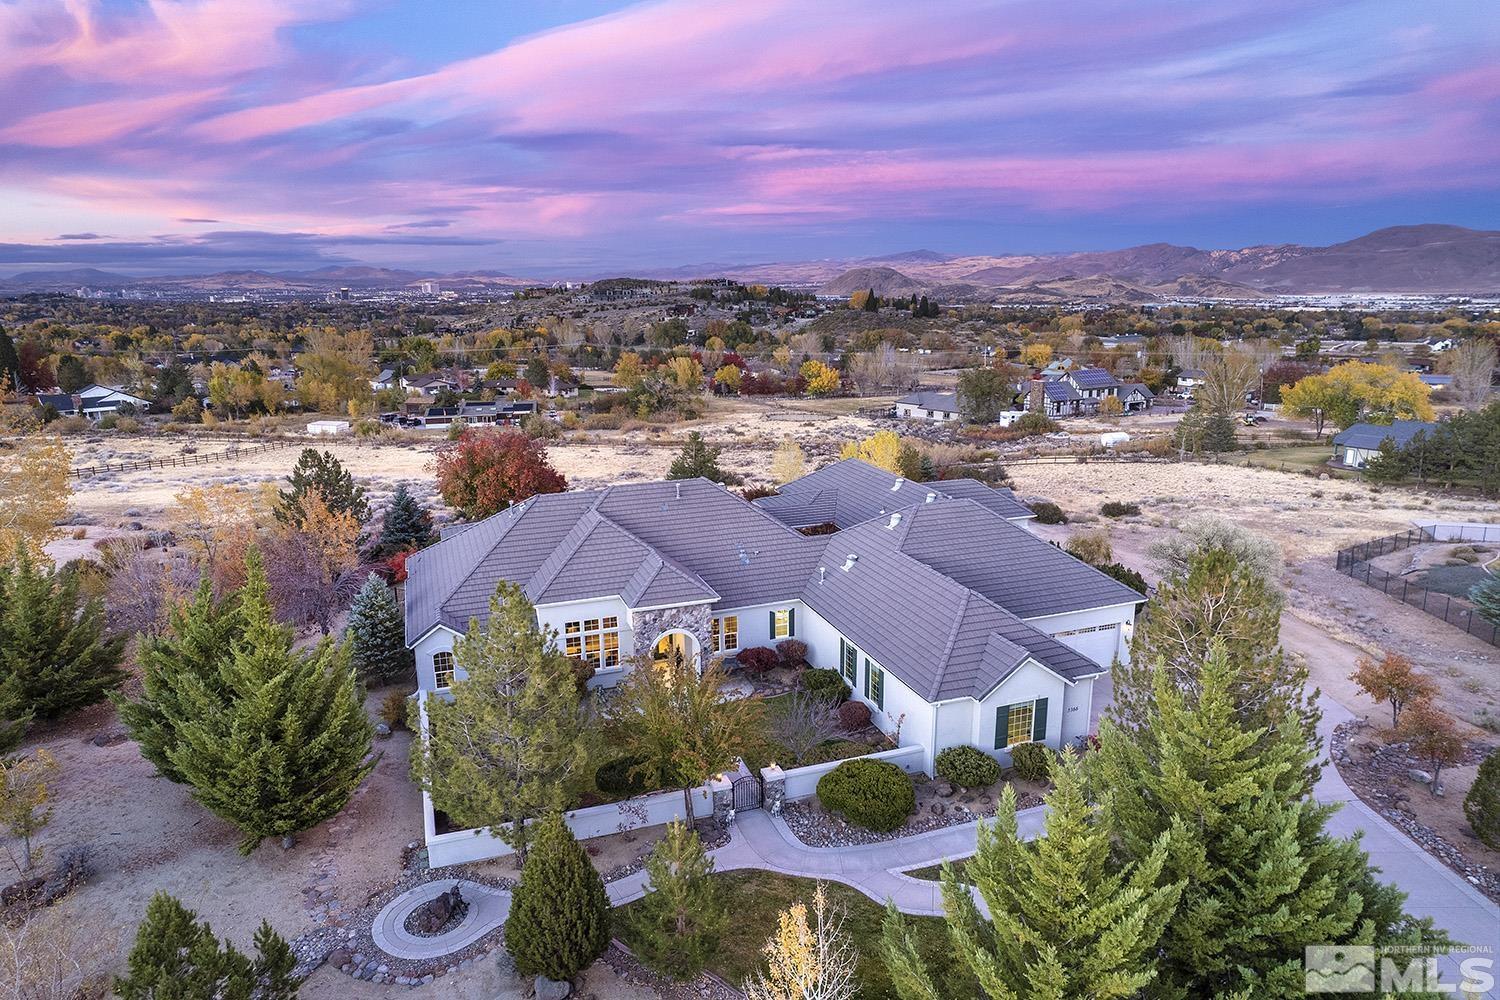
column 952, row 621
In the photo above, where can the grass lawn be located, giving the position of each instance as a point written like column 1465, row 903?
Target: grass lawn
column 934, row 873
column 755, row 899
column 1297, row 458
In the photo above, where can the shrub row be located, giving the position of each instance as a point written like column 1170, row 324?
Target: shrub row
column 869, row 793
column 968, row 767
column 827, row 684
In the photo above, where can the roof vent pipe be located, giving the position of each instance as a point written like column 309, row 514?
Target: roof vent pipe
column 897, row 484
column 895, row 520
column 931, row 497
column 822, row 573
column 849, row 561
column 679, row 489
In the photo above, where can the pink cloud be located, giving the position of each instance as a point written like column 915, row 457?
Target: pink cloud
column 104, row 121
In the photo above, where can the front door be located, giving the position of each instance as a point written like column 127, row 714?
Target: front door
column 669, row 644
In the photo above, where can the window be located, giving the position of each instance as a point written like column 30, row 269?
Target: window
column 783, row 623
column 442, row 668
column 1024, row 722
column 849, row 659
column 594, row 640
column 874, row 684
column 1083, row 631
column 724, row 633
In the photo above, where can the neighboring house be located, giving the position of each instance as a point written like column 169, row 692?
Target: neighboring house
column 94, row 401
column 429, row 384
column 1189, row 379
column 1093, row 384
column 561, row 388
column 469, row 412
column 1055, row 397
column 1357, row 445
column 1135, row 397
column 1437, row 381
column 62, row 402
column 385, row 380
column 935, row 406
column 954, row 624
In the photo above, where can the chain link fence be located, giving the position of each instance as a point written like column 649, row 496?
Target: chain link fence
column 1354, row 562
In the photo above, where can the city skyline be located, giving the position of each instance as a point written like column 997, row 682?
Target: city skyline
column 584, row 136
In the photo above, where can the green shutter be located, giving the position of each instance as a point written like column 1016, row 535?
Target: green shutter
column 879, row 688
column 791, row 622
column 1002, row 725
column 771, row 628
column 1039, row 721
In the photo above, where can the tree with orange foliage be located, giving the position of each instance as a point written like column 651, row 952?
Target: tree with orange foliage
column 488, row 471
column 1433, row 736
column 313, row 562
column 1393, row 679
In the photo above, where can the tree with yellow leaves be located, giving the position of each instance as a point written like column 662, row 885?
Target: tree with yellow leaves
column 336, row 368
column 25, row 800
column 686, row 374
column 822, row 379
column 882, row 449
column 788, row 462
column 629, row 370
column 33, row 490
column 218, row 524
column 729, row 377
column 1354, row 391
column 1036, row 355
column 807, row 960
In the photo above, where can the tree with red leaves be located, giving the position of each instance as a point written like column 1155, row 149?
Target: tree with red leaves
column 488, row 471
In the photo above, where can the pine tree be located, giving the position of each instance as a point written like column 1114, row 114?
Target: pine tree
column 54, row 656
column 407, row 525
column 177, row 956
column 1261, row 877
column 284, row 743
column 1218, row 433
column 184, row 662
column 1482, row 804
column 1066, row 918
column 1219, row 598
column 676, row 926
column 1485, row 596
column 10, row 364
column 377, row 636
column 322, row 472
column 1387, row 465
column 511, row 744
column 697, row 460
column 559, row 914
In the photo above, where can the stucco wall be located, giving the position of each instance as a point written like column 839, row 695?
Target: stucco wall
column 1028, row 683
column 1100, row 646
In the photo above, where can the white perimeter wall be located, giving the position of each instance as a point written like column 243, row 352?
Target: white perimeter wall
column 1464, row 532
column 802, row 782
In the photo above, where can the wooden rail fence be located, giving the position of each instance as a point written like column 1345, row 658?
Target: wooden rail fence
column 184, row 460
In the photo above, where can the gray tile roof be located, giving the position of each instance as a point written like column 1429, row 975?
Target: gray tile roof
column 1364, row 435
column 936, row 594
column 946, row 401
column 1126, row 388
column 849, row 491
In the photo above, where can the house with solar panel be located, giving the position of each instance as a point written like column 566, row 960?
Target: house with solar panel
column 944, row 613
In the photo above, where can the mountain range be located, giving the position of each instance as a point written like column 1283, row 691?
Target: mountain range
column 1432, row 259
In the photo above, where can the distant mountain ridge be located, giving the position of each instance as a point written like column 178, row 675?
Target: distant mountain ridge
column 1430, row 258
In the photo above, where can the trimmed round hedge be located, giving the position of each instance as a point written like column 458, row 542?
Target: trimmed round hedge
column 1032, row 761
column 968, row 767
column 825, row 684
column 870, row 793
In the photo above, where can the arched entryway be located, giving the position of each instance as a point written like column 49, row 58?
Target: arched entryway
column 676, row 642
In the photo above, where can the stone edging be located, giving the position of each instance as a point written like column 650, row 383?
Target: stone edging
column 1434, row 843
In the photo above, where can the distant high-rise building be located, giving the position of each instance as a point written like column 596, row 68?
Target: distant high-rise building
column 428, row 287
column 344, row 294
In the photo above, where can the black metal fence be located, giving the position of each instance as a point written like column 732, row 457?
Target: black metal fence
column 1354, row 562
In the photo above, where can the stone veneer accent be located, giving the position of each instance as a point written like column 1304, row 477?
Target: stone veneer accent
column 649, row 625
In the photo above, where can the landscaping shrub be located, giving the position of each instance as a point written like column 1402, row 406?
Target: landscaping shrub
column 1482, row 804
column 757, row 659
column 1117, row 508
column 1035, row 423
column 792, row 652
column 969, row 767
column 1032, row 761
column 614, row 777
column 1048, row 512
column 827, row 684
column 854, row 715
column 393, row 709
column 1125, row 575
column 870, row 793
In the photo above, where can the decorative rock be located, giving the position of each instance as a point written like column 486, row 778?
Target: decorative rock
column 338, row 958
column 944, row 790
column 1418, row 775
column 552, row 989
column 938, row 808
column 382, row 731
column 433, row 915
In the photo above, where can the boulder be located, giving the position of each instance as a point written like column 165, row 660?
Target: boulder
column 1418, row 775
column 382, row 731
column 433, row 915
column 944, row 790
column 552, row 989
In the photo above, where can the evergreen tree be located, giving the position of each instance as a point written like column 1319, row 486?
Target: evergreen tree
column 559, row 914
column 537, row 373
column 10, row 364
column 511, row 744
column 285, row 741
column 71, row 374
column 326, row 474
column 697, row 460
column 1066, row 918
column 1220, row 598
column 54, row 656
column 1485, row 596
column 1387, row 465
column 1218, row 433
column 872, row 303
column 407, row 525
column 184, row 662
column 677, row 924
column 1261, row 877
column 377, row 636
column 1482, row 804
column 177, row 957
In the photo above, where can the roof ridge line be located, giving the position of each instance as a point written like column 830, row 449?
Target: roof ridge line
column 958, row 621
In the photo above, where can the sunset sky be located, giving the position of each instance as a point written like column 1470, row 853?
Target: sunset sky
column 564, row 136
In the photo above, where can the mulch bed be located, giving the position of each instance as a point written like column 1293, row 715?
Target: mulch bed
column 1377, row 773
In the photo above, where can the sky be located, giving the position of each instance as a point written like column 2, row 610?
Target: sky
column 582, row 137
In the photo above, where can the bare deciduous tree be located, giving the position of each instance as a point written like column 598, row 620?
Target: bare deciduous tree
column 807, row 961
column 803, row 722
column 1472, row 365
